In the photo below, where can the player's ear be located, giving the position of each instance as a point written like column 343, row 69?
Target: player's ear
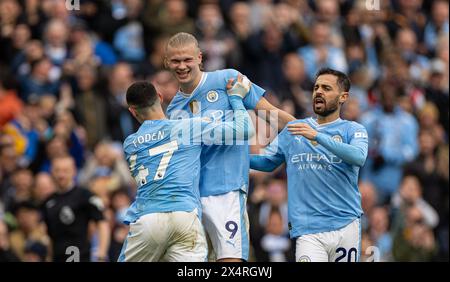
column 133, row 112
column 166, row 62
column 161, row 97
column 343, row 97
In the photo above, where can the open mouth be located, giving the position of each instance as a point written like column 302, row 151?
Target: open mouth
column 183, row 74
column 319, row 101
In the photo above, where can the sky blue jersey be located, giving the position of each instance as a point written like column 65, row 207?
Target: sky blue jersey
column 223, row 168
column 323, row 192
column 164, row 158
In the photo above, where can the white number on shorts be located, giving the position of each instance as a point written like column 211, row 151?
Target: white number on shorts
column 168, row 149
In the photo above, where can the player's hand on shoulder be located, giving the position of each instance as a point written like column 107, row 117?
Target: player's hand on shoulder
column 238, row 87
column 302, row 129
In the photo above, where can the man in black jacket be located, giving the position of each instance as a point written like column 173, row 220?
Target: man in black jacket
column 67, row 214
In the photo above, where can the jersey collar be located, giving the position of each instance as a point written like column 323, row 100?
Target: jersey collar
column 66, row 191
column 202, row 81
column 316, row 124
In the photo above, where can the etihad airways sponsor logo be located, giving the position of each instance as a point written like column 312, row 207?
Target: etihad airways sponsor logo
column 315, row 161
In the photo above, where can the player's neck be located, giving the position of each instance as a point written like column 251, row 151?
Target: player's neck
column 154, row 116
column 67, row 188
column 329, row 118
column 188, row 88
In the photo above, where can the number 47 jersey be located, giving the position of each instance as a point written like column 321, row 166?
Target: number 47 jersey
column 165, row 167
column 164, row 158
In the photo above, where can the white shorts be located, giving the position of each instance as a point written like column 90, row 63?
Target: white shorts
column 225, row 220
column 342, row 245
column 172, row 236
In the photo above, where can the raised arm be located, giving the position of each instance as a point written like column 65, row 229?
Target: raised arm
column 241, row 128
column 269, row 109
column 254, row 100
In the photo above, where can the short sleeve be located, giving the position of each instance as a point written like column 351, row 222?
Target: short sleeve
column 94, row 205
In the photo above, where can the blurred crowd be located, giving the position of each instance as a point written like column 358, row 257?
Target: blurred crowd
column 64, row 75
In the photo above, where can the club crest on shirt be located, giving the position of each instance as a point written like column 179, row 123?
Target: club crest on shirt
column 337, row 138
column 299, row 139
column 314, row 142
column 66, row 215
column 304, row 259
column 212, row 96
column 193, row 106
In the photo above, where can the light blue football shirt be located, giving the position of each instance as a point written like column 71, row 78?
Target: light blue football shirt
column 322, row 175
column 223, row 168
column 164, row 158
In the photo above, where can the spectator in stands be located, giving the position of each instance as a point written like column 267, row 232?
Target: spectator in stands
column 20, row 189
column 437, row 25
column 56, row 35
column 320, row 53
column 109, row 159
column 44, row 186
column 10, row 11
column 297, row 87
column 35, row 251
column 379, row 232
column 10, row 104
column 393, row 142
column 271, row 240
column 103, row 51
column 119, row 121
column 368, row 202
column 39, row 81
column 8, row 165
column 215, row 41
column 415, row 241
column 406, row 43
column 90, row 105
column 120, row 201
column 29, row 229
column 6, row 254
column 129, row 38
column 410, row 195
column 329, row 12
column 168, row 17
column 437, row 92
